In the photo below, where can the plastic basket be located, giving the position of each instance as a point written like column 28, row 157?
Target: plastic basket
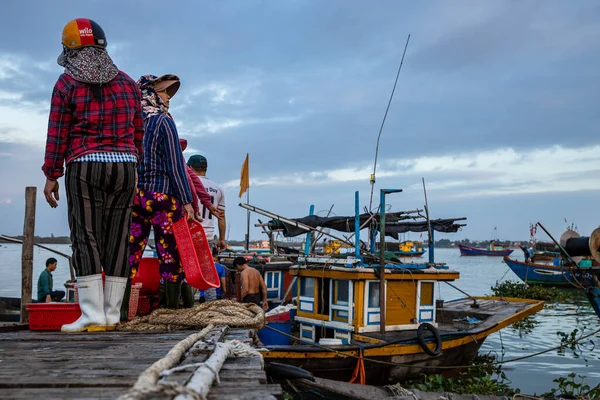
column 134, row 300
column 52, row 316
column 144, row 306
column 465, row 325
column 281, row 317
column 196, row 255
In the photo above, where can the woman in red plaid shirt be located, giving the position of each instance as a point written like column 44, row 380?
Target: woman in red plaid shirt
column 96, row 129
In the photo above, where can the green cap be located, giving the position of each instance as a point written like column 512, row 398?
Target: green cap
column 197, row 161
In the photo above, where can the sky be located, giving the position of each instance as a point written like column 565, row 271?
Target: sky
column 496, row 106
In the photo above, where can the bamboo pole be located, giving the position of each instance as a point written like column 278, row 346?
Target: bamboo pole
column 203, row 378
column 27, row 252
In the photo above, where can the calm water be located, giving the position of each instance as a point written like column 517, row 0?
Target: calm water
column 478, row 274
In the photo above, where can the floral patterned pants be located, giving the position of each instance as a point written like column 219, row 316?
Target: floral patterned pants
column 158, row 211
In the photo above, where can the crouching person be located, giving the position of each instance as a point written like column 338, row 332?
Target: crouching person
column 96, row 128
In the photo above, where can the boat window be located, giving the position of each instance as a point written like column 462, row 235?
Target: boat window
column 373, row 294
column 307, row 287
column 341, row 291
column 426, row 293
column 323, row 293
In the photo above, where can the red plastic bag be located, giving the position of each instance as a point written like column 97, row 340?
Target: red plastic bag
column 196, row 255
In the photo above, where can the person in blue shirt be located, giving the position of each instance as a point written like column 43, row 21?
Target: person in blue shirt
column 45, row 284
column 220, row 292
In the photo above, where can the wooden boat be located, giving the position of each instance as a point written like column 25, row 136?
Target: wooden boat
column 492, row 250
column 410, row 249
column 343, row 324
column 543, row 274
column 342, row 303
column 10, row 309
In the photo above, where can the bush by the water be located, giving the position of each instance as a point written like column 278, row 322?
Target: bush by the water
column 482, row 378
column 523, row 291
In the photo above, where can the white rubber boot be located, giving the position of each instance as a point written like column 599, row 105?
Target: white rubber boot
column 91, row 302
column 114, row 289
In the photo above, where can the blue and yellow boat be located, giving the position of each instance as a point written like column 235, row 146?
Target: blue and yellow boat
column 360, row 317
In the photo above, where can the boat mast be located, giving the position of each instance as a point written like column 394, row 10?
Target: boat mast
column 382, row 296
column 383, row 123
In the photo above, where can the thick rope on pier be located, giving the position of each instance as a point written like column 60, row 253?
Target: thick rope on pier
column 146, row 384
column 219, row 312
column 206, row 373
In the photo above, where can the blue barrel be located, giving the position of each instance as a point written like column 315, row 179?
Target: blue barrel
column 271, row 338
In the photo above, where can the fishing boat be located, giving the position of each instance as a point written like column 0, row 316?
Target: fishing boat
column 491, row 250
column 410, row 249
column 542, row 274
column 356, row 310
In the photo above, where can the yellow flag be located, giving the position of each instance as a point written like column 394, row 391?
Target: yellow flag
column 245, row 177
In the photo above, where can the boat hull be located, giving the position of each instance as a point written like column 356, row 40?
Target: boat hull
column 342, row 368
column 474, row 251
column 409, row 253
column 545, row 275
column 398, row 356
column 593, row 295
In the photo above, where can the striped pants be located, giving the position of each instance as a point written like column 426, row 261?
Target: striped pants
column 99, row 198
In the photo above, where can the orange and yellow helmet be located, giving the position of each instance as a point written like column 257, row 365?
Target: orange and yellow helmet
column 82, row 32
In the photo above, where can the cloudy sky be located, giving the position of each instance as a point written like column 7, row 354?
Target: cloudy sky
column 496, row 105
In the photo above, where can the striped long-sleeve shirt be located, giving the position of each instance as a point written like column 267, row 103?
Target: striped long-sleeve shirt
column 162, row 168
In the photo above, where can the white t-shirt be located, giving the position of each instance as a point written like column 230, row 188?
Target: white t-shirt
column 217, row 198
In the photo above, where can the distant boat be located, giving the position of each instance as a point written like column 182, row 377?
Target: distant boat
column 410, row 249
column 492, row 250
column 541, row 274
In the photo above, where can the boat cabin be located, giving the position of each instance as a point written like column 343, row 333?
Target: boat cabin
column 341, row 301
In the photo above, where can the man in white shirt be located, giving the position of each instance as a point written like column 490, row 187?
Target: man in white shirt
column 199, row 164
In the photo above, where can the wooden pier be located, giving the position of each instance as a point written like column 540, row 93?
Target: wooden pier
column 106, row 365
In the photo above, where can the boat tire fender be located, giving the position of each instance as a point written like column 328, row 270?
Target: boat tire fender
column 423, row 343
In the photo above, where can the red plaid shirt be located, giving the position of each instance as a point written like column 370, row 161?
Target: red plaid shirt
column 79, row 124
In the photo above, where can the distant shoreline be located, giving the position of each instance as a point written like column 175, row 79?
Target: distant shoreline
column 41, row 240
column 442, row 243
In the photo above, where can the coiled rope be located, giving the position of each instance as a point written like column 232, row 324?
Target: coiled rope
column 218, row 312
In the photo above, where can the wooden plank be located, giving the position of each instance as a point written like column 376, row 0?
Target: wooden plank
column 27, row 252
column 246, row 375
column 63, row 393
column 71, row 382
column 260, row 393
column 350, row 390
column 114, row 336
column 242, row 363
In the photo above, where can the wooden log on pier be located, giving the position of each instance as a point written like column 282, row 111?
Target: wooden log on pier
column 27, row 252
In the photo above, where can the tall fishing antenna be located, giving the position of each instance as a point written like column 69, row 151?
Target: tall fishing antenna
column 383, row 123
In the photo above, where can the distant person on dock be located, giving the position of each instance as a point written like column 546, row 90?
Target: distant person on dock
column 199, row 164
column 220, row 292
column 46, row 283
column 200, row 193
column 95, row 127
column 253, row 284
column 164, row 195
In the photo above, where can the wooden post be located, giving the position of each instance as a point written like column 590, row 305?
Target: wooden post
column 27, row 252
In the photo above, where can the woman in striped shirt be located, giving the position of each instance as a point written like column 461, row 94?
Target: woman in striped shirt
column 163, row 194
